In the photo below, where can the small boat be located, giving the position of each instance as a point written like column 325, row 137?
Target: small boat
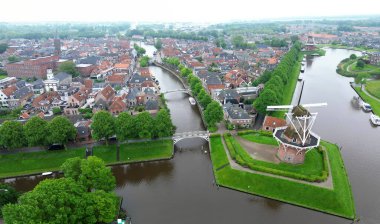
column 192, row 101
column 356, row 101
column 366, row 107
column 157, row 82
column 302, row 68
column 375, row 119
column 47, row 173
column 300, row 78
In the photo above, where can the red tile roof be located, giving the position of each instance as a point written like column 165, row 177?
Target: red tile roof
column 273, row 122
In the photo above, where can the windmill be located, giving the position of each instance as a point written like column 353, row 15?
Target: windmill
column 296, row 138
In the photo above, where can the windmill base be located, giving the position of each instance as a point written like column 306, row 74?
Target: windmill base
column 289, row 155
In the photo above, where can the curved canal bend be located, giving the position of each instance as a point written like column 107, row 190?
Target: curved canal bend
column 181, row 190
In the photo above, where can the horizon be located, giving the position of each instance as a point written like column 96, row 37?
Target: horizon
column 162, row 12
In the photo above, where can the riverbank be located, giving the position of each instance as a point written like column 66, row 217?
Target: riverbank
column 347, row 67
column 339, row 46
column 338, row 201
column 375, row 104
column 316, row 52
column 27, row 163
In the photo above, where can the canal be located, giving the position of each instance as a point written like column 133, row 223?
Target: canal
column 181, row 190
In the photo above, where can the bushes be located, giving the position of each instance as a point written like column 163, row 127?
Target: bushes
column 245, row 160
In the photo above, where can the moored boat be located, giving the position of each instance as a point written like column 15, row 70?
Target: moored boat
column 366, row 107
column 375, row 119
column 47, row 173
column 192, row 101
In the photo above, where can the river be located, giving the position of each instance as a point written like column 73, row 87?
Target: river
column 181, row 190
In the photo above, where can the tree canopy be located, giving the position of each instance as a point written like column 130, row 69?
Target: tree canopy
column 103, row 125
column 12, row 134
column 213, row 114
column 60, row 130
column 158, row 44
column 35, row 131
column 69, row 67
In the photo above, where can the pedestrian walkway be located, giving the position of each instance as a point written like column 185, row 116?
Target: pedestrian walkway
column 373, row 97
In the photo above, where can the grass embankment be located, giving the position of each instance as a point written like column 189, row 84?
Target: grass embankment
column 290, row 87
column 339, row 46
column 373, row 87
column 347, row 67
column 2, row 77
column 374, row 103
column 314, row 169
column 338, row 201
column 318, row 51
column 36, row 162
column 135, row 152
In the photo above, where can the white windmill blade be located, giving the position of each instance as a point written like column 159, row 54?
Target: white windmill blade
column 314, row 105
column 279, row 108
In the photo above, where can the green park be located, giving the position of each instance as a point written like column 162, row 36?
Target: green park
column 300, row 185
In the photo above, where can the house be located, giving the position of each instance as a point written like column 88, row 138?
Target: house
column 104, row 97
column 213, row 83
column 20, row 97
column 117, row 106
column 44, row 101
column 374, row 58
column 229, row 96
column 83, row 130
column 132, row 97
column 151, row 106
column 116, row 80
column 5, row 94
column 53, row 82
column 237, row 116
column 38, row 87
column 271, row 123
column 235, row 78
column 7, row 81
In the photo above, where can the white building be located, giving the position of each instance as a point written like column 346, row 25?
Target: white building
column 51, row 83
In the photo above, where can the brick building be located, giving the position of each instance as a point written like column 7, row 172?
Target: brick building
column 32, row 68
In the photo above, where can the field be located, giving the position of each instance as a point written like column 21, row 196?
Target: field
column 338, row 201
column 373, row 87
column 36, row 162
column 374, row 103
column 347, row 67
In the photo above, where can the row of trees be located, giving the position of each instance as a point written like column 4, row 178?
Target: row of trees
column 276, row 80
column 213, row 112
column 144, row 61
column 84, row 195
column 36, row 131
column 140, row 50
column 126, row 126
column 240, row 43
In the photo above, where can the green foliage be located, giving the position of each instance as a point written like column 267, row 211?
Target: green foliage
column 172, row 61
column 57, row 110
column 144, row 127
column 35, row 130
column 361, row 78
column 360, row 64
column 125, row 124
column 294, row 38
column 13, row 59
column 3, row 47
column 185, row 72
column 103, row 125
column 275, row 42
column 140, row 50
column 373, row 87
column 69, row 68
column 240, row 43
column 144, row 61
column 12, row 134
column 204, row 98
column 158, row 44
column 90, row 173
column 82, row 198
column 213, row 114
column 163, row 126
column 220, row 42
column 60, row 130
column 267, row 98
column 7, row 195
column 353, row 56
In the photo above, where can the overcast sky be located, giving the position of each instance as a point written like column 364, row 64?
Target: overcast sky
column 178, row 10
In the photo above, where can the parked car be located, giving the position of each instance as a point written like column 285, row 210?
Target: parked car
column 56, row 147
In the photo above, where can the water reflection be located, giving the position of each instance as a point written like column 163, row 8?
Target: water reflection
column 142, row 172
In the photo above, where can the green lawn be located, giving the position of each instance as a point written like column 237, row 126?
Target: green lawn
column 339, row 46
column 290, row 87
column 3, row 76
column 373, row 87
column 259, row 138
column 374, row 103
column 347, row 67
column 35, row 162
column 310, row 170
column 318, row 51
column 338, row 201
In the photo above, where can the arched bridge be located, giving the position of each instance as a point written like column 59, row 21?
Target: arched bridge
column 177, row 90
column 193, row 134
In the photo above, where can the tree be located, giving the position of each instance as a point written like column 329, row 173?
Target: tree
column 91, row 173
column 158, row 44
column 267, row 98
column 213, row 113
column 60, row 130
column 62, row 200
column 69, row 67
column 144, row 61
column 144, row 125
column 35, row 130
column 204, row 98
column 3, row 47
column 294, row 38
column 353, row 56
column 140, row 51
column 197, row 88
column 360, row 64
column 13, row 59
column 361, row 79
column 57, row 110
column 7, row 195
column 103, row 125
column 12, row 134
column 163, row 126
column 124, row 126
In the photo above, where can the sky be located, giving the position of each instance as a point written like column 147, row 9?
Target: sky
column 199, row 11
